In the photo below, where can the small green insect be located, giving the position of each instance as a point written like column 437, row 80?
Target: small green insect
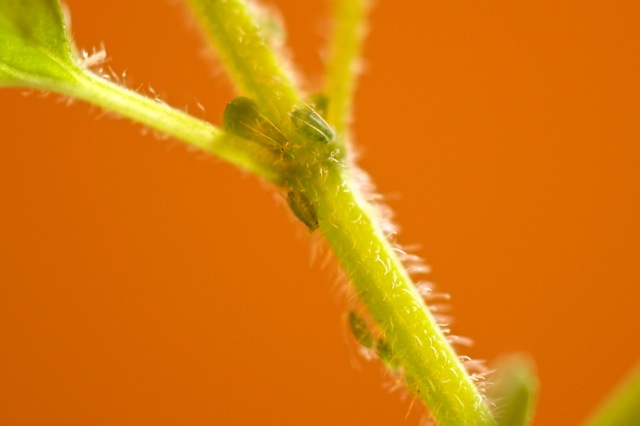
column 383, row 349
column 360, row 330
column 303, row 209
column 243, row 118
column 309, row 124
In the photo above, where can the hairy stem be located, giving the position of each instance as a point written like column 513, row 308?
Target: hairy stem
column 253, row 65
column 345, row 218
column 430, row 364
column 175, row 123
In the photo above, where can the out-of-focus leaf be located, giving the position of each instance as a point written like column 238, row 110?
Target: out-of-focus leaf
column 622, row 407
column 34, row 49
column 515, row 391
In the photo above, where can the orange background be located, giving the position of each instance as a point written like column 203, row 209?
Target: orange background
column 143, row 284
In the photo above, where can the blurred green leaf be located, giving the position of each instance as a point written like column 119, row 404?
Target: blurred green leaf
column 622, row 407
column 515, row 391
column 34, row 50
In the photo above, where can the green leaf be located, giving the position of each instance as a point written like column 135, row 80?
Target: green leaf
column 622, row 407
column 34, row 49
column 515, row 391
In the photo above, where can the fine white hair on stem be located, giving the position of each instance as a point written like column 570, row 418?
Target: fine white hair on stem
column 97, row 56
column 436, row 302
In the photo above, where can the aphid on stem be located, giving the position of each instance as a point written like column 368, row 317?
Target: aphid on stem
column 303, row 209
column 243, row 118
column 360, row 329
column 309, row 124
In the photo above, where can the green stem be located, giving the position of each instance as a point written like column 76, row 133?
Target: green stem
column 175, row 123
column 346, row 44
column 251, row 62
column 430, row 363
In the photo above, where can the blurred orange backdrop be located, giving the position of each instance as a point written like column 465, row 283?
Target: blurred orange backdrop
column 144, row 284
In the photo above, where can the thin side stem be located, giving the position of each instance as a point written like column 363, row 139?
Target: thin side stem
column 431, row 366
column 342, row 69
column 159, row 116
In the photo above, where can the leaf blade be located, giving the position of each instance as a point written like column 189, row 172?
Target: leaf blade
column 515, row 391
column 34, row 48
column 622, row 406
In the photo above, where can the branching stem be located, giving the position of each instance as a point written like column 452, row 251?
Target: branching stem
column 309, row 164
